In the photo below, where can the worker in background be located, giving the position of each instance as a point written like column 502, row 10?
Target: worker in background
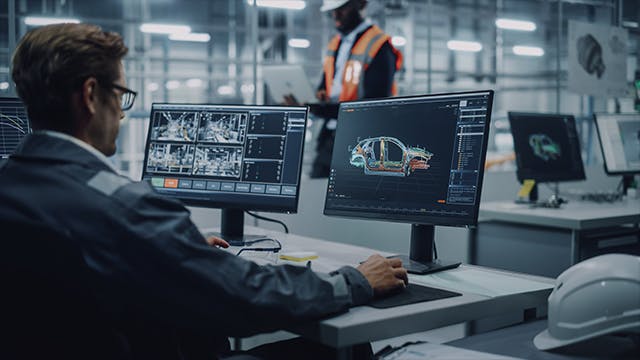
column 360, row 63
column 163, row 290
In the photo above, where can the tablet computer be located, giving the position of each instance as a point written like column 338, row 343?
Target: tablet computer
column 285, row 80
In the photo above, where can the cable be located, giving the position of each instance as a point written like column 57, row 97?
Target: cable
column 267, row 249
column 286, row 229
column 435, row 250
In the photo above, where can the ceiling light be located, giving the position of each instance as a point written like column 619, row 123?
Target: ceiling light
column 299, row 43
column 153, row 87
column 511, row 24
column 172, row 84
column 227, row 90
column 458, row 45
column 4, row 85
column 194, row 83
column 196, row 37
column 398, row 41
column 153, row 28
column 39, row 20
column 281, row 4
column 247, row 88
column 528, row 50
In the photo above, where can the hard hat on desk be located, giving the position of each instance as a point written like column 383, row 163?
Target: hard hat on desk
column 328, row 5
column 595, row 297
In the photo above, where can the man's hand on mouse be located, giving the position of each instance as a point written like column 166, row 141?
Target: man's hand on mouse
column 384, row 275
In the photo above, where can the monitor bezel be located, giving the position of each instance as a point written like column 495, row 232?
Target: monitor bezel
column 221, row 204
column 555, row 178
column 604, row 159
column 417, row 219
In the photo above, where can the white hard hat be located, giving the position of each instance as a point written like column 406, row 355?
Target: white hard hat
column 328, row 5
column 595, row 297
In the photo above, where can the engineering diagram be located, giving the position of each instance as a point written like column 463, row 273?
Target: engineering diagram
column 174, row 126
column 224, row 128
column 14, row 125
column 543, row 147
column 218, row 161
column 170, row 158
column 403, row 160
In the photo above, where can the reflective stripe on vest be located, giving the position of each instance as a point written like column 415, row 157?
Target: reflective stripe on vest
column 362, row 54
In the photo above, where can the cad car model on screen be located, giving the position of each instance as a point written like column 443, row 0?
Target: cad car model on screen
column 543, row 147
column 404, row 160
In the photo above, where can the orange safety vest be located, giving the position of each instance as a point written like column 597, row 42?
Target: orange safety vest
column 362, row 53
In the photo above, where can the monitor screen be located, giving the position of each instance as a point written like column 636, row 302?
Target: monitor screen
column 547, row 147
column 620, row 142
column 416, row 159
column 227, row 156
column 14, row 125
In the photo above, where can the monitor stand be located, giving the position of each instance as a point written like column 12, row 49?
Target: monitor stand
column 232, row 228
column 627, row 181
column 420, row 259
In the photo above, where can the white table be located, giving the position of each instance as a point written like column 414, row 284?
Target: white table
column 578, row 222
column 485, row 293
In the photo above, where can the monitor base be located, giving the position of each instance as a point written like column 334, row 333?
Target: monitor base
column 422, row 268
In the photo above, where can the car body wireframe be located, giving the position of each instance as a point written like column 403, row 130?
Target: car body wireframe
column 364, row 155
column 543, row 147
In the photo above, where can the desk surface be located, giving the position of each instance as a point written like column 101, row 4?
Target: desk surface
column 575, row 215
column 486, row 292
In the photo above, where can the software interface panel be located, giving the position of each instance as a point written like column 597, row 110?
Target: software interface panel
column 547, row 147
column 410, row 159
column 620, row 140
column 249, row 156
column 14, row 125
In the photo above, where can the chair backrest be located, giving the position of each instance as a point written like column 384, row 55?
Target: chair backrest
column 49, row 309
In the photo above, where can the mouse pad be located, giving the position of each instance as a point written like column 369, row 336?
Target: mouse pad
column 412, row 294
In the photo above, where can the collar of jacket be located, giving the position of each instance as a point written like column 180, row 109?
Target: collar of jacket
column 44, row 148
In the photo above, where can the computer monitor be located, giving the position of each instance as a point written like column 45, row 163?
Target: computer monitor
column 14, row 125
column 234, row 157
column 619, row 136
column 547, row 147
column 415, row 160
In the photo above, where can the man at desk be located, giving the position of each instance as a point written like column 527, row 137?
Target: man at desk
column 167, row 292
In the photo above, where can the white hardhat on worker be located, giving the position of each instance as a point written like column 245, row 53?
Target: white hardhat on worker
column 595, row 297
column 328, row 5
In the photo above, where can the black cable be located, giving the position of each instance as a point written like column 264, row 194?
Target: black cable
column 286, row 229
column 267, row 249
column 435, row 250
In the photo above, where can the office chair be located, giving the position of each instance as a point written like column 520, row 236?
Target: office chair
column 48, row 308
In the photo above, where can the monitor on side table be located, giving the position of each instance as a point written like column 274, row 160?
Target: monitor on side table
column 619, row 136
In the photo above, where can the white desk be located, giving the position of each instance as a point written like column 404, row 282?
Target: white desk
column 485, row 293
column 582, row 221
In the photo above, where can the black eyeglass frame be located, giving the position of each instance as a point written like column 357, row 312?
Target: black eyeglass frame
column 126, row 95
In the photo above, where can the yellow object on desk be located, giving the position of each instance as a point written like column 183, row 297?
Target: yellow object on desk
column 299, row 256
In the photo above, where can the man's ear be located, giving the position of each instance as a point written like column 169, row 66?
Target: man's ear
column 89, row 95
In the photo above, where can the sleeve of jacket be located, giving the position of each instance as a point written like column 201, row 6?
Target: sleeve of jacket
column 378, row 77
column 164, row 263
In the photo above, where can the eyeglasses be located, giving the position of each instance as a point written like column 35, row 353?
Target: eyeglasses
column 128, row 97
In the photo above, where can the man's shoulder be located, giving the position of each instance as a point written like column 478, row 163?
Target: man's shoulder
column 120, row 188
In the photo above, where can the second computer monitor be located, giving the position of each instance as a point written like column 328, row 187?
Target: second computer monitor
column 417, row 160
column 547, row 147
